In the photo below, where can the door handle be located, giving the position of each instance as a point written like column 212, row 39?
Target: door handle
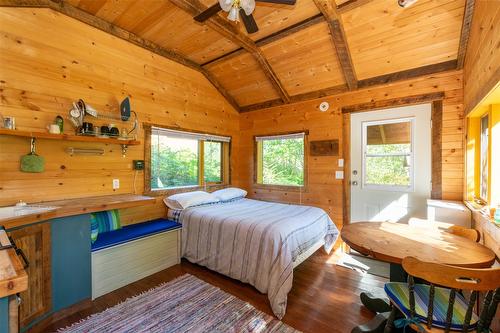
column 354, row 183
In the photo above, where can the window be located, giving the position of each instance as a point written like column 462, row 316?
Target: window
column 184, row 159
column 388, row 155
column 483, row 155
column 280, row 159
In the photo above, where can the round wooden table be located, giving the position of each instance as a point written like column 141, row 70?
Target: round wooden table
column 391, row 242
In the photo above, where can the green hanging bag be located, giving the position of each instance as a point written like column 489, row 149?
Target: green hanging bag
column 32, row 162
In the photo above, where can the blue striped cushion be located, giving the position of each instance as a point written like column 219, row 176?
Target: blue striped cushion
column 398, row 293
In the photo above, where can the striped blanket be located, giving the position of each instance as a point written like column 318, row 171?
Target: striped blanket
column 255, row 242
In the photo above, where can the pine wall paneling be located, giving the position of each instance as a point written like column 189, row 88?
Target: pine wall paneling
column 482, row 61
column 323, row 189
column 48, row 61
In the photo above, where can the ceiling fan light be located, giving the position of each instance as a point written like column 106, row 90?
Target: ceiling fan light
column 234, row 14
column 226, row 5
column 406, row 3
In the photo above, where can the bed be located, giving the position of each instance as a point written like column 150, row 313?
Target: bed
column 256, row 242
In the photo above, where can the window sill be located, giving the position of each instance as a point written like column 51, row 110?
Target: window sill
column 171, row 191
column 284, row 188
column 481, row 212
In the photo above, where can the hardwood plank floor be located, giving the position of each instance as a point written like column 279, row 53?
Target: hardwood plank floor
column 324, row 297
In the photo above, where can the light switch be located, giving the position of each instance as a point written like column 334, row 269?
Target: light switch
column 341, row 162
column 339, row 174
column 116, row 184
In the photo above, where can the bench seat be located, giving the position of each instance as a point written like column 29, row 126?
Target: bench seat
column 133, row 232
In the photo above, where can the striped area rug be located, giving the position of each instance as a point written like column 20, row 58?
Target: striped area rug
column 185, row 304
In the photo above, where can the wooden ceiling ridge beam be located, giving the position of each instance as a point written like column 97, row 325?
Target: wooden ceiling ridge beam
column 464, row 35
column 329, row 10
column 363, row 84
column 226, row 29
column 103, row 25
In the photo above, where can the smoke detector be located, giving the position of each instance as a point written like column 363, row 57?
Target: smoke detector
column 324, row 106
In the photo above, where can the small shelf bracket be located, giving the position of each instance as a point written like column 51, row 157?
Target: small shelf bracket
column 124, row 150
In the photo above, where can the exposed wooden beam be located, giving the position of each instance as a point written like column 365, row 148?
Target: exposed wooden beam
column 388, row 103
column 226, row 56
column 228, row 30
column 437, row 153
column 309, row 22
column 96, row 22
column 329, row 11
column 367, row 83
column 351, row 4
column 408, row 74
column 464, row 36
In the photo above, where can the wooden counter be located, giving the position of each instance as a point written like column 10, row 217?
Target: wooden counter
column 78, row 206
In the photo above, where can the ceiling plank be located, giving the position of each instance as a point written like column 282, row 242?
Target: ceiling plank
column 228, row 30
column 116, row 31
column 464, row 36
column 367, row 83
column 329, row 11
column 351, row 4
column 291, row 30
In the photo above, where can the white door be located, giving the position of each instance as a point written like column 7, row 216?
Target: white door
column 390, row 163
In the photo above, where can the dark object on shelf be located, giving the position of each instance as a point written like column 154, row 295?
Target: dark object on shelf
column 104, row 130
column 125, row 109
column 138, row 164
column 324, row 148
column 87, row 129
column 60, row 122
column 114, row 131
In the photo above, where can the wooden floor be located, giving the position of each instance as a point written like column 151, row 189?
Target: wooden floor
column 324, row 297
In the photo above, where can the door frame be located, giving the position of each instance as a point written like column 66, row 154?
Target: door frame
column 436, row 100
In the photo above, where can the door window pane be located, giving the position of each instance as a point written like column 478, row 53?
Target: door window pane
column 388, row 154
column 213, row 162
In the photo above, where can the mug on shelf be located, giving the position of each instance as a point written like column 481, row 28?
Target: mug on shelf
column 9, row 122
column 54, row 129
column 87, row 128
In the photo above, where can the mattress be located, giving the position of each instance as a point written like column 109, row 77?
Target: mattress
column 256, row 242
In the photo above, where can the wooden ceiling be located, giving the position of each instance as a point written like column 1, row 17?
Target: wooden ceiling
column 309, row 50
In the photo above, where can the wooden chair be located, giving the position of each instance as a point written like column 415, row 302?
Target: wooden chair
column 441, row 306
column 471, row 234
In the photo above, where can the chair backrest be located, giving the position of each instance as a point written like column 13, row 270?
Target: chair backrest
column 471, row 234
column 457, row 279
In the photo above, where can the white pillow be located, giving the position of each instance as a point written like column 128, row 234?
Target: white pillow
column 189, row 199
column 230, row 193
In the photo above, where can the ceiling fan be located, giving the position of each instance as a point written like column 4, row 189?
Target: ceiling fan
column 238, row 9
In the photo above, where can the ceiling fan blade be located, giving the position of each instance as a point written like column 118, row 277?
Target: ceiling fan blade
column 281, row 2
column 208, row 13
column 249, row 22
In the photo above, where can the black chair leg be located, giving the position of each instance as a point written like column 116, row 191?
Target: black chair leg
column 389, row 325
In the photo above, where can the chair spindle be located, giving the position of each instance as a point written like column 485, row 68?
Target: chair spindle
column 481, row 324
column 430, row 306
column 470, row 308
column 411, row 287
column 492, row 309
column 449, row 313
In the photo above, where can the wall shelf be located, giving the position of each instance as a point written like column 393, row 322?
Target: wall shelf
column 67, row 137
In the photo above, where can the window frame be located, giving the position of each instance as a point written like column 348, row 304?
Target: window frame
column 225, row 163
column 258, row 163
column 364, row 141
column 486, row 155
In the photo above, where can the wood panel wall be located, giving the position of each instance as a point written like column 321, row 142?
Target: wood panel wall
column 49, row 60
column 323, row 189
column 482, row 62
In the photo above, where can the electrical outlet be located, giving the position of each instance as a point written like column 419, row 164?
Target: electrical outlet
column 339, row 174
column 341, row 162
column 116, row 184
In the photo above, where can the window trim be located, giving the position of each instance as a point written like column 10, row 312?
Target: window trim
column 364, row 140
column 487, row 156
column 291, row 188
column 226, row 163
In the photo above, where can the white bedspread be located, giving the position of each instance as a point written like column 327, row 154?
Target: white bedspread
column 255, row 242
